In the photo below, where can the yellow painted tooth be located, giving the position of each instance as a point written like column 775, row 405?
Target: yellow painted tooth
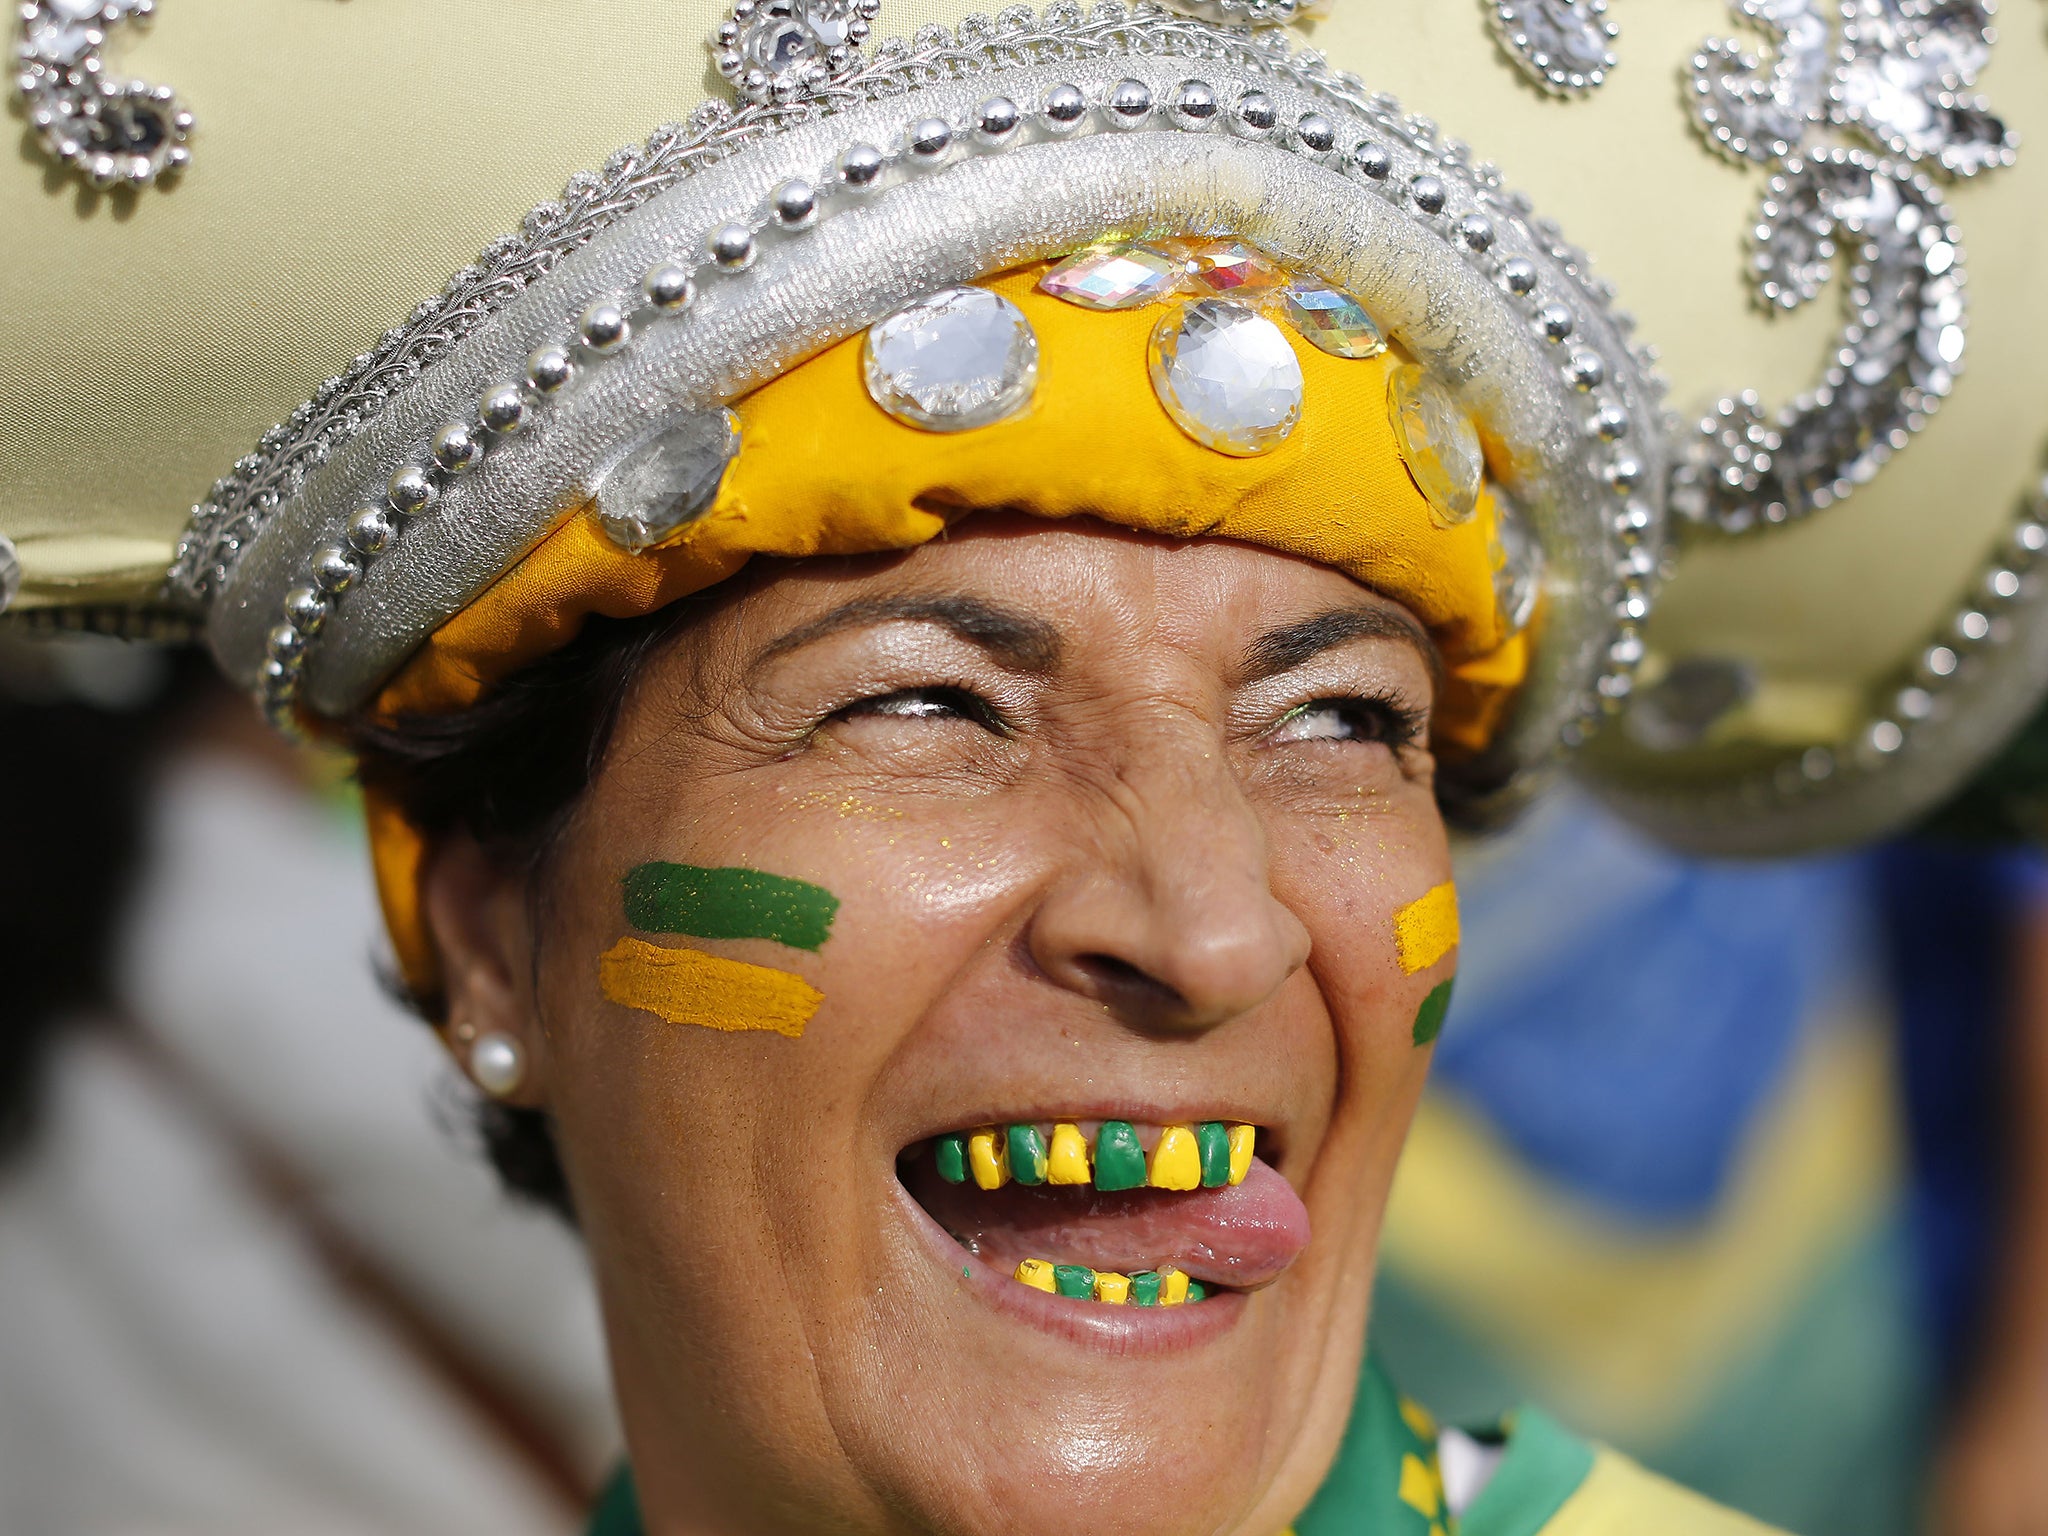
column 1037, row 1274
column 1173, row 1286
column 1112, row 1288
column 1243, row 1139
column 988, row 1154
column 1177, row 1160
column 1067, row 1161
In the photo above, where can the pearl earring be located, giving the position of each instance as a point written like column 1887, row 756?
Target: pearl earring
column 498, row 1064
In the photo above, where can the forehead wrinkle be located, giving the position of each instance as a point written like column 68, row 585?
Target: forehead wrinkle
column 1291, row 645
column 1017, row 641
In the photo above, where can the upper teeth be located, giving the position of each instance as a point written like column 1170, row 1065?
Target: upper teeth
column 1201, row 1156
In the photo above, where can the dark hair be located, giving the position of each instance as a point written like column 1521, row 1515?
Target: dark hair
column 509, row 771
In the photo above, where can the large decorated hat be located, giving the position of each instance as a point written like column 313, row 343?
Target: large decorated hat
column 1683, row 376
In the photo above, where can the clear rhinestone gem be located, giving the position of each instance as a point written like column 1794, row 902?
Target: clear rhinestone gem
column 668, row 479
column 1231, row 268
column 1227, row 376
column 1517, row 566
column 960, row 358
column 58, row 44
column 1330, row 319
column 1120, row 277
column 1438, row 442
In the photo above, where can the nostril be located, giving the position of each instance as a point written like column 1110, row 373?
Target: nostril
column 1123, row 985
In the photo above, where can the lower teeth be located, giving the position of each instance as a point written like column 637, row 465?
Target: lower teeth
column 1166, row 1287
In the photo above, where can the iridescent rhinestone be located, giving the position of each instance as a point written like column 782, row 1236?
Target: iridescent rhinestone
column 1227, row 376
column 1330, row 319
column 1230, row 267
column 1517, row 567
column 959, row 358
column 1114, row 277
column 666, row 480
column 1438, row 442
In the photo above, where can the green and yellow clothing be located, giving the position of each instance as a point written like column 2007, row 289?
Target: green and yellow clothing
column 1387, row 1482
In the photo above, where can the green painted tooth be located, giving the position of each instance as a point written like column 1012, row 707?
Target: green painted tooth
column 1212, row 1139
column 1027, row 1154
column 1074, row 1280
column 1197, row 1291
column 1145, row 1288
column 1429, row 1018
column 950, row 1152
column 1119, row 1160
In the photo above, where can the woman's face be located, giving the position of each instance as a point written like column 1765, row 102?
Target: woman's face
column 1118, row 830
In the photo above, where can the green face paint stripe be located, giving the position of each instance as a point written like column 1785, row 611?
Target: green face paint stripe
column 1429, row 1018
column 728, row 904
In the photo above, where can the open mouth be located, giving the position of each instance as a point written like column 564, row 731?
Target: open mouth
column 1113, row 1212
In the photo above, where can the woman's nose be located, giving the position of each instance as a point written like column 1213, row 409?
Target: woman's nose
column 1165, row 913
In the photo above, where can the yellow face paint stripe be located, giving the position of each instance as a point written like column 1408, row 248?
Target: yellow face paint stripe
column 1427, row 929
column 687, row 986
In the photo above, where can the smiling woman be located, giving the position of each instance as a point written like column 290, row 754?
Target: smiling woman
column 914, row 647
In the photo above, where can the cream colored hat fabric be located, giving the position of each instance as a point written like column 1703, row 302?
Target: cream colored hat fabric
column 1797, row 683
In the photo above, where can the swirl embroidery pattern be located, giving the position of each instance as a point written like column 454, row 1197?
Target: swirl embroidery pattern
column 1863, row 111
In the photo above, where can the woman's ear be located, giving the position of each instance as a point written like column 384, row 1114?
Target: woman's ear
column 476, row 914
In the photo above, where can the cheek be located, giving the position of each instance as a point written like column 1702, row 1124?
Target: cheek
column 1376, row 896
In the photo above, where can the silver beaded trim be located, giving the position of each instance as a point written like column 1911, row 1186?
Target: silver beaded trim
column 1399, row 158
column 1972, row 680
column 10, row 573
column 112, row 132
column 1853, row 179
column 1564, row 46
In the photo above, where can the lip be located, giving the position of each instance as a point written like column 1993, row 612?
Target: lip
column 1089, row 1324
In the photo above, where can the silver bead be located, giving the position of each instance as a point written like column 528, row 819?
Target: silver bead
column 796, row 203
column 306, row 608
column 1373, row 161
column 996, row 119
column 335, row 569
column 502, row 408
column 411, row 490
column 548, row 368
column 930, row 138
column 371, row 530
column 603, row 327
column 2002, row 585
column 1914, row 703
column 1610, row 422
column 1938, row 662
column 1063, row 107
column 1973, row 626
column 1429, row 193
column 861, row 165
column 667, row 286
column 497, row 1063
column 285, row 643
column 1194, row 104
column 1885, row 737
column 1625, row 474
column 732, row 247
column 456, row 448
column 1129, row 103
column 2030, row 537
column 1476, row 230
column 1556, row 321
column 1519, row 274
column 1586, row 371
column 1255, row 114
column 1316, row 132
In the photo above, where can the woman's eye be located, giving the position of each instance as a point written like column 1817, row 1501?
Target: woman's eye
column 925, row 704
column 1375, row 720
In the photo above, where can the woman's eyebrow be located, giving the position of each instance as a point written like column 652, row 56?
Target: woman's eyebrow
column 1014, row 640
column 1282, row 650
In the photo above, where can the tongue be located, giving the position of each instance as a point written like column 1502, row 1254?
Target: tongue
column 1240, row 1236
